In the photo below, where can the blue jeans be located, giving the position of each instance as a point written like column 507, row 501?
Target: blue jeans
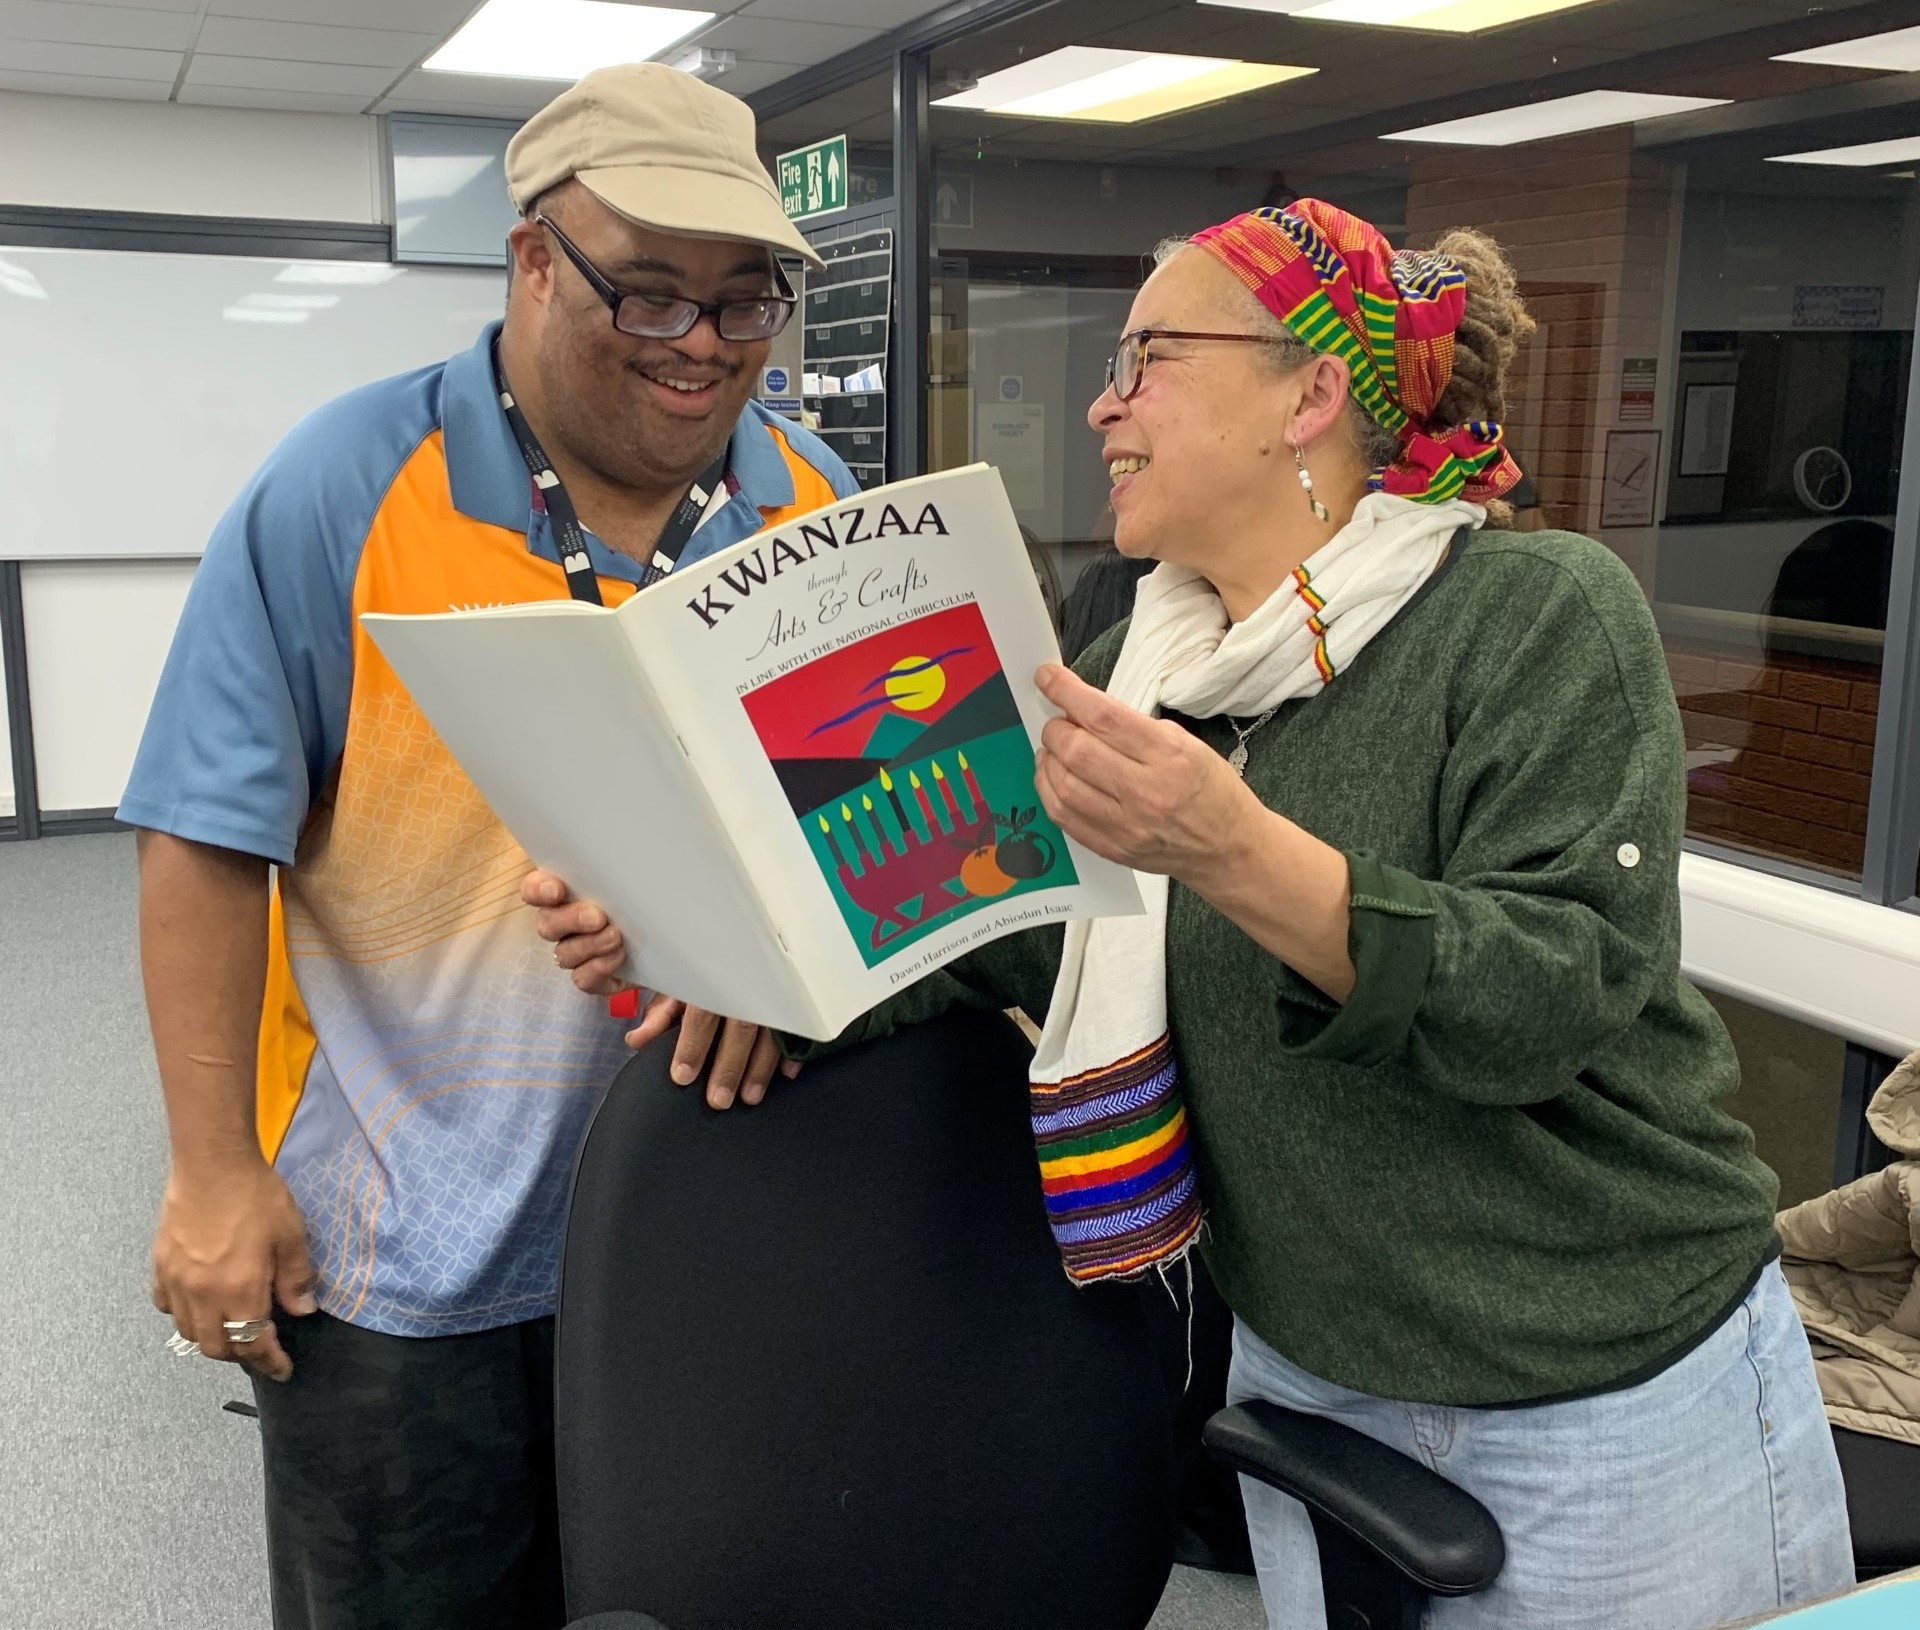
column 1705, row 1496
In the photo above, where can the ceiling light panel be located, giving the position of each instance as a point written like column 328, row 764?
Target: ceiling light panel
column 1442, row 16
column 560, row 39
column 1864, row 156
column 1561, row 116
column 1104, row 86
column 1894, row 53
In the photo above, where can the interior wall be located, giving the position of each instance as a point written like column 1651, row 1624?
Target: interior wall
column 97, row 634
column 97, row 637
column 72, row 152
column 1587, row 222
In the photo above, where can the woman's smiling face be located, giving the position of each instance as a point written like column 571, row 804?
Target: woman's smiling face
column 1191, row 450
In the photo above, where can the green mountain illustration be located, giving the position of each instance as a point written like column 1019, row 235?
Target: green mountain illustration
column 988, row 708
column 893, row 738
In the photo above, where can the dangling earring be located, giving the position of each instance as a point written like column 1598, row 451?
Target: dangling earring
column 1306, row 485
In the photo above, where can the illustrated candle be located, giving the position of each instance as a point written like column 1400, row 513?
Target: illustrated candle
column 973, row 788
column 838, row 858
column 879, row 829
column 946, row 793
column 907, row 834
column 859, row 843
column 926, row 809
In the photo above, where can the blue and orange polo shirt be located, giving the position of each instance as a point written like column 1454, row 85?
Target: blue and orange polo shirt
column 425, row 1073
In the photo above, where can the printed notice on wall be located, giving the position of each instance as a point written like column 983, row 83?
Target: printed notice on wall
column 1633, row 461
column 1837, row 305
column 1012, row 437
column 1637, row 377
column 1706, row 429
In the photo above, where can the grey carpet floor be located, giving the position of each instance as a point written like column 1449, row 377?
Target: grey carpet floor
column 128, row 1500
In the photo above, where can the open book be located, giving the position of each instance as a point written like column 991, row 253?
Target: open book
column 798, row 774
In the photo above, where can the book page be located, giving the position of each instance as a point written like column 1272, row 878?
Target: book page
column 856, row 690
column 551, row 717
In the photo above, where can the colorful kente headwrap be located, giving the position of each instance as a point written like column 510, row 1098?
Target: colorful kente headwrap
column 1391, row 316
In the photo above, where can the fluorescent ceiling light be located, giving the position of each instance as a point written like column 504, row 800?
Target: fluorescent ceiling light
column 337, row 271
column 1894, row 53
column 1445, row 16
column 560, row 39
column 1562, row 116
column 257, row 314
column 1115, row 87
column 1860, row 157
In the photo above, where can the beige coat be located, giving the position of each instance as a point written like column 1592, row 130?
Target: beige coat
column 1853, row 1260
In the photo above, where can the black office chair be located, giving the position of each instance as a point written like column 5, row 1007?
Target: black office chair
column 1390, row 1532
column 819, row 1367
column 1883, row 1501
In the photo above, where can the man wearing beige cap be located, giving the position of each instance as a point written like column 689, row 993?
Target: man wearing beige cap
column 376, row 1081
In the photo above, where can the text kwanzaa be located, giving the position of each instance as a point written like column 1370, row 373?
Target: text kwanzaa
column 842, row 529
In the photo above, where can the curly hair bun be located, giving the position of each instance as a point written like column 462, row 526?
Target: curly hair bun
column 1495, row 323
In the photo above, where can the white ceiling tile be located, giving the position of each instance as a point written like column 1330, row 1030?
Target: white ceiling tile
column 281, row 101
column 90, row 61
column 261, row 73
column 93, row 25
column 770, row 39
column 439, row 17
column 312, row 42
column 880, row 14
column 134, row 90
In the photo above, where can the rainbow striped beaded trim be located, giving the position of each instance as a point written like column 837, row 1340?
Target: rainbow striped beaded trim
column 1116, row 1167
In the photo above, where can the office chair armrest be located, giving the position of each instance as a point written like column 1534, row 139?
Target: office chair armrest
column 1437, row 1536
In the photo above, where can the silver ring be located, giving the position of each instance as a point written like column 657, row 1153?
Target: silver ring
column 245, row 1332
column 180, row 1347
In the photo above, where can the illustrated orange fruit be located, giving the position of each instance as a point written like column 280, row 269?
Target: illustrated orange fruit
column 981, row 875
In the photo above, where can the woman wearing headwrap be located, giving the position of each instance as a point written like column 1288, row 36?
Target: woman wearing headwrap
column 1405, row 1020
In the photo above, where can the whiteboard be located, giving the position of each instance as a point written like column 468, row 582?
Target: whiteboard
column 139, row 392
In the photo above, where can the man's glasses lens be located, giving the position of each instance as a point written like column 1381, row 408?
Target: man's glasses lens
column 670, row 319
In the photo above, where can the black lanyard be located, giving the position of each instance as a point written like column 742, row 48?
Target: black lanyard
column 568, row 534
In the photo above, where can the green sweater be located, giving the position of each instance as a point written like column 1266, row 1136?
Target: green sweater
column 1497, row 1173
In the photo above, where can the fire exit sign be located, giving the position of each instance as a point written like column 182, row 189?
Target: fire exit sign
column 813, row 180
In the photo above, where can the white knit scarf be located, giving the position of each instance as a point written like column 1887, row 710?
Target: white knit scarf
column 1182, row 653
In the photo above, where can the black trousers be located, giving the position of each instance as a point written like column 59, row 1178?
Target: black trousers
column 410, row 1481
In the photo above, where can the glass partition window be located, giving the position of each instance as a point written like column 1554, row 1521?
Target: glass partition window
column 1716, row 387
column 1789, row 1094
column 1792, row 346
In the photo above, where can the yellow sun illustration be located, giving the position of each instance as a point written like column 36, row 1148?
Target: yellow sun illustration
column 915, row 684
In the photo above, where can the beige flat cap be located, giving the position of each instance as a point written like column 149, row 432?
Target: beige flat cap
column 661, row 148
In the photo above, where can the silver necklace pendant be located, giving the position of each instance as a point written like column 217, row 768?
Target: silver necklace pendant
column 1237, row 758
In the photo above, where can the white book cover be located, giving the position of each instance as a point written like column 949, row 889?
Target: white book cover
column 798, row 774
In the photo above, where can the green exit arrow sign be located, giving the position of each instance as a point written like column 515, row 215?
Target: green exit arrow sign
column 813, row 180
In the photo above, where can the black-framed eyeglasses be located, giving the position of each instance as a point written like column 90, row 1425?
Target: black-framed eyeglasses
column 658, row 317
column 1128, row 363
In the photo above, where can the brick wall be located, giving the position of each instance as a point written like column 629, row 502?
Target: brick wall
column 1585, row 222
column 1780, row 751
